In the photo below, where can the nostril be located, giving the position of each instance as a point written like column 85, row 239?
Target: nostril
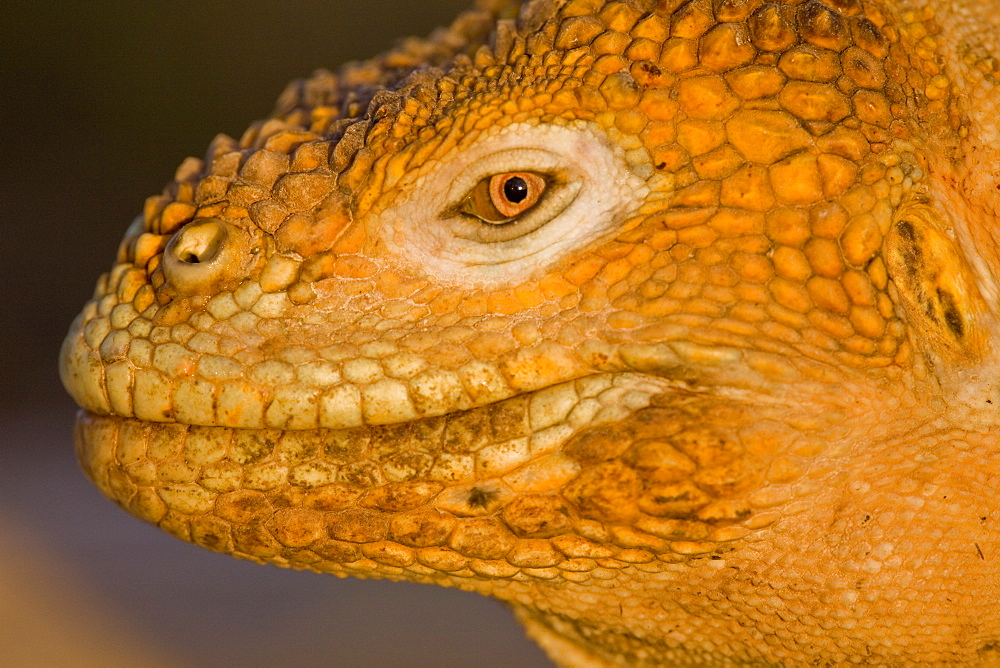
column 199, row 243
column 203, row 255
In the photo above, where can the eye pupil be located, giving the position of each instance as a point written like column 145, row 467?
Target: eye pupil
column 515, row 189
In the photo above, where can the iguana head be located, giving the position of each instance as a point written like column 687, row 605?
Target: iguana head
column 672, row 324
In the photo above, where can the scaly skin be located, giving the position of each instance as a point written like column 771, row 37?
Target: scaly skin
column 724, row 395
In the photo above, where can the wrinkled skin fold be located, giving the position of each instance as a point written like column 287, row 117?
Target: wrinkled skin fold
column 672, row 324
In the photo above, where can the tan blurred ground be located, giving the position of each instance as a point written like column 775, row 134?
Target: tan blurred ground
column 50, row 617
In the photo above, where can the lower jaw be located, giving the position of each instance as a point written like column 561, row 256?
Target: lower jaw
column 467, row 464
column 463, row 446
column 452, row 499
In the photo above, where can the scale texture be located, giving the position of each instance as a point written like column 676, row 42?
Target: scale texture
column 672, row 324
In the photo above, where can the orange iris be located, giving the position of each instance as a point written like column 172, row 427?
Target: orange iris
column 513, row 193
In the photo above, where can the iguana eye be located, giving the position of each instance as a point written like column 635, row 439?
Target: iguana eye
column 502, row 197
column 507, row 201
column 508, row 205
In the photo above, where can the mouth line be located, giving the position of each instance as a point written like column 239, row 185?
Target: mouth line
column 466, row 446
column 167, row 383
column 547, row 404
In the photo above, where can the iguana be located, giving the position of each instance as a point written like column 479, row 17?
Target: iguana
column 675, row 325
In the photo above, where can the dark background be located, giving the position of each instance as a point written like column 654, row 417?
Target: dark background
column 100, row 101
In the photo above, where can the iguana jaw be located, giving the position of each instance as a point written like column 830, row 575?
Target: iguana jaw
column 531, row 469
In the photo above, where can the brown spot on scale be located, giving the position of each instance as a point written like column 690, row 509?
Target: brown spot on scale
column 481, row 498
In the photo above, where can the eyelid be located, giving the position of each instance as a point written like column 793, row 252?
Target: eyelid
column 473, row 228
column 536, row 160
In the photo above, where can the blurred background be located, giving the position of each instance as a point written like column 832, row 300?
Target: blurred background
column 100, row 102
